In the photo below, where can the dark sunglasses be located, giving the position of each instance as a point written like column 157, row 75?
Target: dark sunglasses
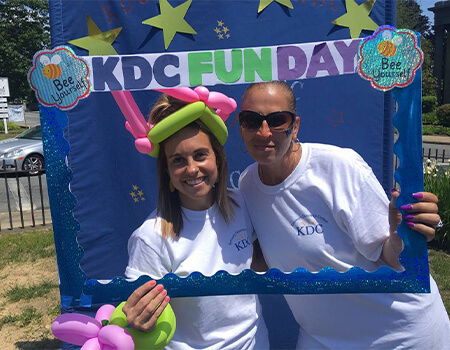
column 277, row 121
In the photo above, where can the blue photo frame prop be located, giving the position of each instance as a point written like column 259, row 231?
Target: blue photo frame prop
column 80, row 287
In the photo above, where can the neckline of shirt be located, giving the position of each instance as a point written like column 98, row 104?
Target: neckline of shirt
column 200, row 214
column 291, row 179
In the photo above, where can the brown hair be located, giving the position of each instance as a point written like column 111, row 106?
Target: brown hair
column 281, row 84
column 169, row 205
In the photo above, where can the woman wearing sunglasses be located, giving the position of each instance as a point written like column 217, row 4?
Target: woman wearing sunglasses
column 196, row 227
column 316, row 206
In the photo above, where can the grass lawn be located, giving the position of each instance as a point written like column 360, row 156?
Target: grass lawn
column 440, row 270
column 10, row 134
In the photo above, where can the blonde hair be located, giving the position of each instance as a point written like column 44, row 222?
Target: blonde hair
column 169, row 205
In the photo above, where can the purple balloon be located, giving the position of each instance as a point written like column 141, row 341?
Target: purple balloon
column 92, row 344
column 75, row 328
column 115, row 337
column 104, row 313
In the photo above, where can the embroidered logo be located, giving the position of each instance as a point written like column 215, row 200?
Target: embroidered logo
column 240, row 239
column 307, row 225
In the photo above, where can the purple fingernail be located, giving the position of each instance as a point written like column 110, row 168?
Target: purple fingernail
column 417, row 195
column 406, row 207
column 408, row 217
column 410, row 224
column 393, row 190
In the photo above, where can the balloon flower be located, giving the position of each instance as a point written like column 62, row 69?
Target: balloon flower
column 109, row 330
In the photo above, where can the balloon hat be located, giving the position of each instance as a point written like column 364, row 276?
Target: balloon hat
column 212, row 108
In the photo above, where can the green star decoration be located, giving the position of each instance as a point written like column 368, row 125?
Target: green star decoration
column 97, row 43
column 357, row 18
column 264, row 3
column 171, row 20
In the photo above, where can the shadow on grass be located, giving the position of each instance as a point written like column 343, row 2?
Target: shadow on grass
column 39, row 344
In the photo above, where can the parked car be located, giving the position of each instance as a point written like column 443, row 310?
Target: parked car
column 26, row 149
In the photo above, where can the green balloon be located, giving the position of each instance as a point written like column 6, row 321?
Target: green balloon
column 158, row 338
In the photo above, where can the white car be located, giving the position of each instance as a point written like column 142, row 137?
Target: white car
column 25, row 150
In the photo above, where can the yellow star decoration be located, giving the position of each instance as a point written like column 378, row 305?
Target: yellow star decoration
column 97, row 43
column 171, row 20
column 264, row 3
column 221, row 30
column 138, row 195
column 357, row 18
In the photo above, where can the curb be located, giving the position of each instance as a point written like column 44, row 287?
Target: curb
column 436, row 139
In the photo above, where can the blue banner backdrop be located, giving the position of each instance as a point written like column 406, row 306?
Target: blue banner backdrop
column 115, row 186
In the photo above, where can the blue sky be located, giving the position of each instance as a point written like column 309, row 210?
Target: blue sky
column 425, row 5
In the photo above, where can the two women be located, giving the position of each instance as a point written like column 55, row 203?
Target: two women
column 291, row 185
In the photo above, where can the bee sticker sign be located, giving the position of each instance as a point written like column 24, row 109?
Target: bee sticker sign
column 59, row 77
column 390, row 58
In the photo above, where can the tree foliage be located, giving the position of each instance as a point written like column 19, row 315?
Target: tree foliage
column 24, row 30
column 409, row 16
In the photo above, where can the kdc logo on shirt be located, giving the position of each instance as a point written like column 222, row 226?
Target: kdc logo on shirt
column 307, row 225
column 240, row 240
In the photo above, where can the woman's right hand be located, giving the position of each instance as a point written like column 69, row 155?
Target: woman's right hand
column 145, row 305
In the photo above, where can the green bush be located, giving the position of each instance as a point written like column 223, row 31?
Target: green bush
column 435, row 130
column 443, row 114
column 429, row 104
column 437, row 181
column 429, row 118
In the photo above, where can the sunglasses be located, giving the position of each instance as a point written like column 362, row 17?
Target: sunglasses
column 277, row 121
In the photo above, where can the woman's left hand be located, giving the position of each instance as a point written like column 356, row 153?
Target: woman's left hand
column 421, row 216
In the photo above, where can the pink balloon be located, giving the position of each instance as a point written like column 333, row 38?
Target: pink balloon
column 182, row 93
column 104, row 312
column 202, row 92
column 143, row 145
column 92, row 344
column 75, row 328
column 115, row 337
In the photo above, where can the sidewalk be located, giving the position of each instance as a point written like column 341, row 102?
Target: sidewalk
column 27, row 220
column 440, row 139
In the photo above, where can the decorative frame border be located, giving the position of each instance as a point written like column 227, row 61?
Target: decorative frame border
column 76, row 291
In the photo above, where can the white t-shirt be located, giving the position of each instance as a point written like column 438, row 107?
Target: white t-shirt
column 206, row 244
column 332, row 211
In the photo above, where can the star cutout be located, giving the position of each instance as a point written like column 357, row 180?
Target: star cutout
column 225, row 29
column 97, row 43
column 336, row 117
column 220, row 23
column 132, row 194
column 264, row 3
column 140, row 193
column 171, row 20
column 357, row 18
column 136, row 200
column 220, row 36
column 217, row 30
column 228, row 35
column 135, row 187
